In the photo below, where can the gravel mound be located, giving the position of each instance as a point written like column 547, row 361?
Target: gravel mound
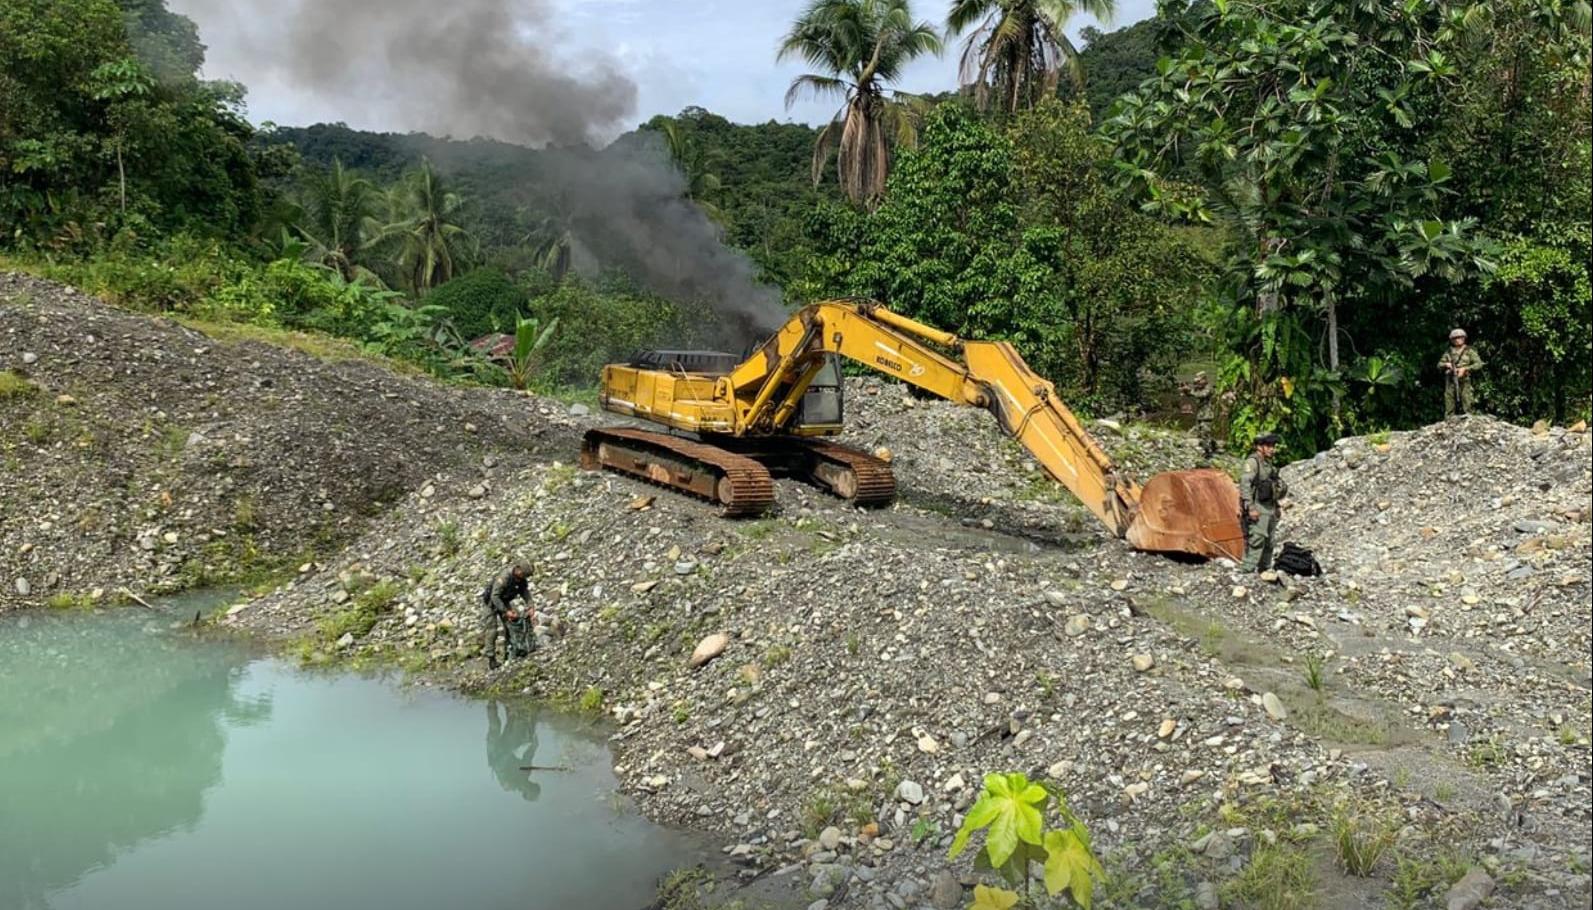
column 141, row 453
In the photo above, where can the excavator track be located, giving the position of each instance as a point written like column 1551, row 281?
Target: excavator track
column 740, row 485
column 850, row 474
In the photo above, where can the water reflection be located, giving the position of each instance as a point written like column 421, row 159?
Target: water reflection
column 110, row 735
column 139, row 769
column 512, row 746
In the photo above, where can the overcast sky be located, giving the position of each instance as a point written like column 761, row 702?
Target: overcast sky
column 716, row 54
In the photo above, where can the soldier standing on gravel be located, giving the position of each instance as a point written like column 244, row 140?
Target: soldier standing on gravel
column 496, row 614
column 1260, row 491
column 1458, row 363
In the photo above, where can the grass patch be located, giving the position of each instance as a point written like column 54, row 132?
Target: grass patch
column 1418, row 880
column 776, row 655
column 1360, row 840
column 13, row 385
column 759, row 529
column 1279, row 877
column 1486, row 755
column 68, row 601
column 362, row 613
column 592, row 700
column 854, row 644
column 1313, row 673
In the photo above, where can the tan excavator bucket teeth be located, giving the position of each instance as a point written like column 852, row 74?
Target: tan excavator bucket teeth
column 1194, row 512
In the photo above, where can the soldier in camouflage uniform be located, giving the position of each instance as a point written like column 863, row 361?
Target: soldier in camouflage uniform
column 1260, row 492
column 497, row 614
column 1457, row 364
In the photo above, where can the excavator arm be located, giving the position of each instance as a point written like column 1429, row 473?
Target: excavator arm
column 988, row 375
column 1186, row 511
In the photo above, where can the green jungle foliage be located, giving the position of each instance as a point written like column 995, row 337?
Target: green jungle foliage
column 1306, row 195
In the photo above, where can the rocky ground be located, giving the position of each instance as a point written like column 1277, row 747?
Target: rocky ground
column 1226, row 739
column 139, row 453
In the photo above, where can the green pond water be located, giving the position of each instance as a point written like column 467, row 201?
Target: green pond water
column 141, row 768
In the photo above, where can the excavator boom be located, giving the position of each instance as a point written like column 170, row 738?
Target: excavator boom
column 1194, row 512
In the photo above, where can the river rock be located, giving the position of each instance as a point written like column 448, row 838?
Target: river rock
column 830, row 838
column 945, row 892
column 23, row 587
column 1143, row 662
column 1274, row 706
column 910, row 792
column 709, row 648
column 1076, row 625
column 1468, row 894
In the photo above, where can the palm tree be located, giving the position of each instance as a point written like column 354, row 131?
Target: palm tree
column 430, row 248
column 860, row 46
column 335, row 215
column 1019, row 47
column 700, row 183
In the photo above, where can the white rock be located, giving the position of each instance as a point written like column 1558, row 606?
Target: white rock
column 910, row 792
column 1143, row 662
column 1274, row 706
column 346, row 641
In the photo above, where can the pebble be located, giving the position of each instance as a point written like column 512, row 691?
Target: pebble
column 830, row 838
column 30, row 358
column 1143, row 662
column 1076, row 625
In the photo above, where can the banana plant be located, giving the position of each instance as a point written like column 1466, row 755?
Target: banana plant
column 530, row 339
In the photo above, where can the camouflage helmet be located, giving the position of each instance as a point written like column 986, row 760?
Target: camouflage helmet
column 1456, row 333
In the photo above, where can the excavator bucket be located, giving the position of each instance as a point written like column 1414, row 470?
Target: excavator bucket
column 1195, row 512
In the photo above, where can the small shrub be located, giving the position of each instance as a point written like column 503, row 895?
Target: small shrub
column 1360, row 841
column 854, row 644
column 681, row 712
column 592, row 700
column 448, row 538
column 244, row 515
column 481, row 301
column 776, row 655
column 1313, row 673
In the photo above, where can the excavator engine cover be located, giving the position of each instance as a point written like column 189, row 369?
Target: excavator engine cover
column 1195, row 512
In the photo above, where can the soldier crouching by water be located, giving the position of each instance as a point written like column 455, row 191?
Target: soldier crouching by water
column 499, row 617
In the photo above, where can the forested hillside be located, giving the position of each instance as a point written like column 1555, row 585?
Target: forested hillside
column 1124, row 213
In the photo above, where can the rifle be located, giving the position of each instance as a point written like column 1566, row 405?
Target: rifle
column 1455, row 387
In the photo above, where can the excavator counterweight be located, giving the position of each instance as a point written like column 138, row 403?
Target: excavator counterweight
column 765, row 415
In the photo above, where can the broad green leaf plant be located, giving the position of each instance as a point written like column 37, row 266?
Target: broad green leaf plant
column 1011, row 811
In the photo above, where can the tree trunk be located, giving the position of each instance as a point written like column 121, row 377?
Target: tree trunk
column 121, row 175
column 1333, row 357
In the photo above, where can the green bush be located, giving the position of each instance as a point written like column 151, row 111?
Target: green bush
column 479, row 302
column 599, row 326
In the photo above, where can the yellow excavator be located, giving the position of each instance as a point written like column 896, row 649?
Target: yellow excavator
column 769, row 415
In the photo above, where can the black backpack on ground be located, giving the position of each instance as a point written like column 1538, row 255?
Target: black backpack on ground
column 1297, row 560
